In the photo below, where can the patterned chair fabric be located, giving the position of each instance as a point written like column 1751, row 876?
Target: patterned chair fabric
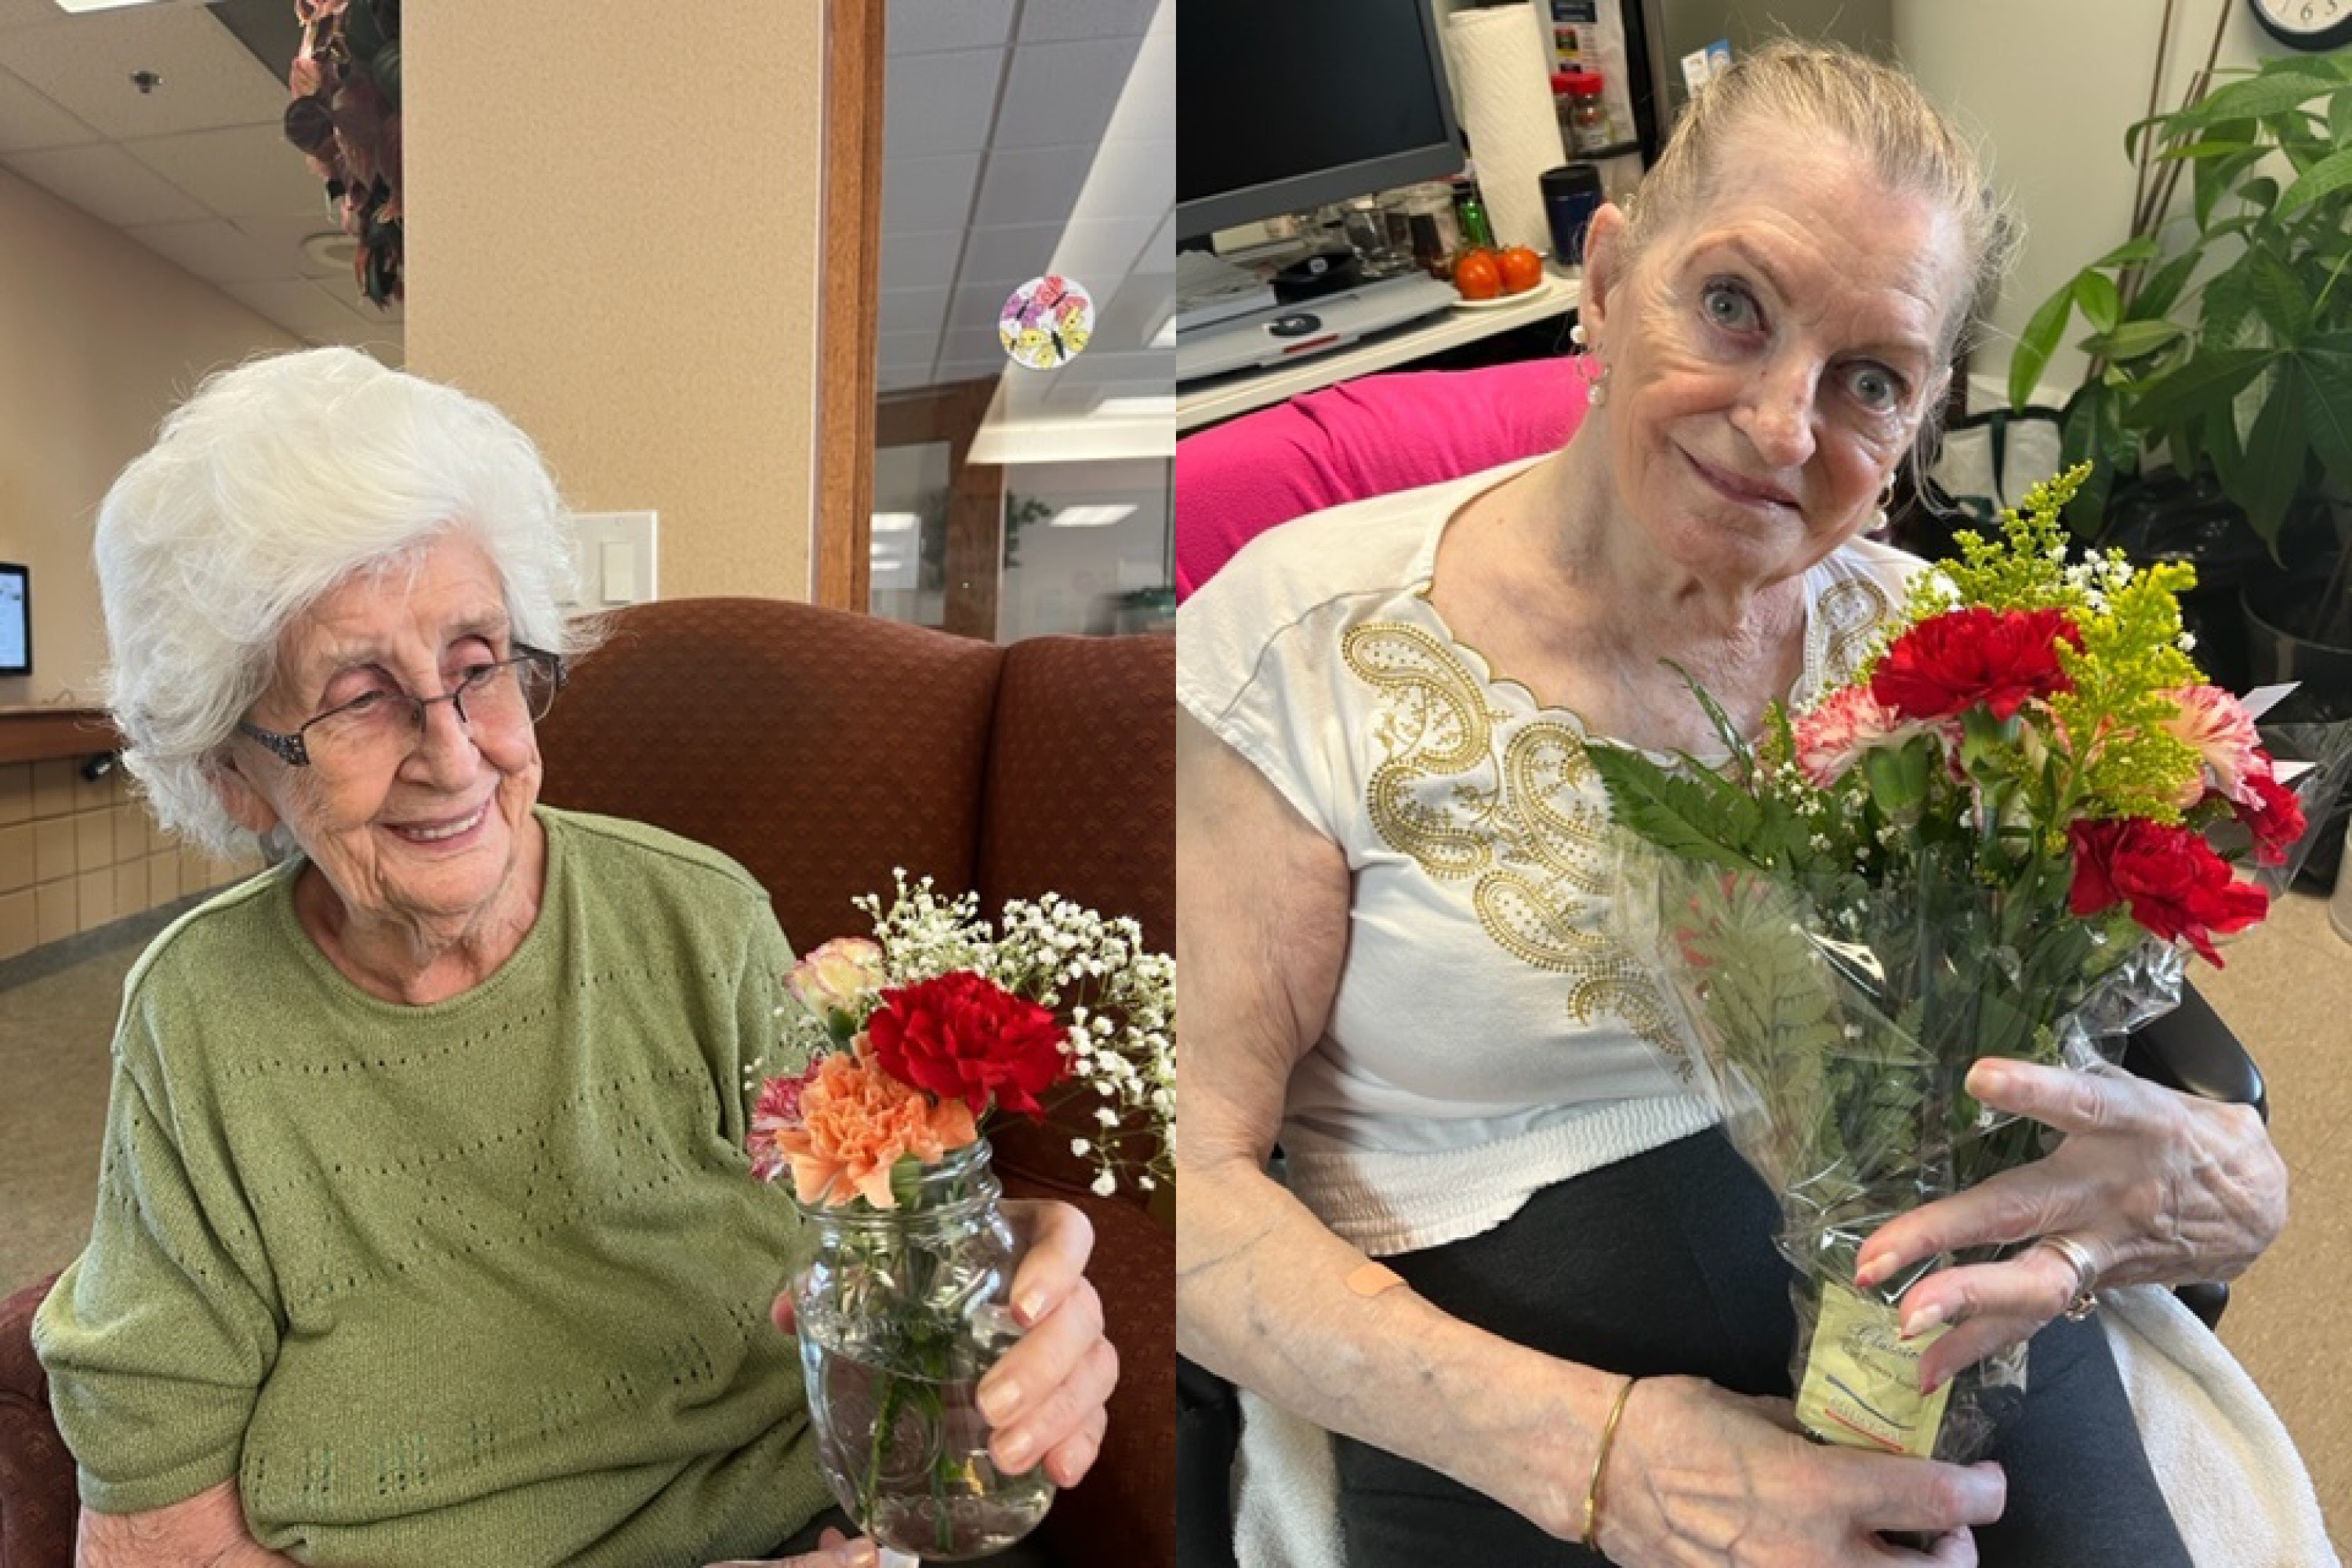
column 823, row 748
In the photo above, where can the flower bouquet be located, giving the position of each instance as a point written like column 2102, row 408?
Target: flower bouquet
column 899, row 1050
column 1995, row 840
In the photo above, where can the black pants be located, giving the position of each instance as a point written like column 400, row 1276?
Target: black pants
column 1663, row 1264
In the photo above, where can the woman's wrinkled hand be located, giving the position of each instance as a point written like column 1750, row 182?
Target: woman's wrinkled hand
column 2160, row 1187
column 1703, row 1478
column 1045, row 1399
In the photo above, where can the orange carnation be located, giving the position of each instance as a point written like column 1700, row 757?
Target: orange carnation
column 856, row 1122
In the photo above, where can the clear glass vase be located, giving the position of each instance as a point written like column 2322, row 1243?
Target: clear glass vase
column 901, row 1312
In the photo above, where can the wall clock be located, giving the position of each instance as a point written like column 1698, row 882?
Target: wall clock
column 2312, row 24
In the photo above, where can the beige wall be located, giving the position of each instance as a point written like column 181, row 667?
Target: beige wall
column 99, row 338
column 2050, row 89
column 615, row 239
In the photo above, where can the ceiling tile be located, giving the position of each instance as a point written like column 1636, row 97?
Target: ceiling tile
column 1158, row 257
column 928, row 193
column 309, row 310
column 913, row 310
column 1099, row 255
column 918, row 349
column 921, row 261
column 1146, row 102
column 970, row 326
column 1032, row 184
column 978, row 368
column 216, row 250
column 28, row 120
column 968, row 341
column 245, row 171
column 27, row 14
column 1130, row 179
column 84, row 65
column 108, row 184
column 1046, row 20
column 1062, row 93
column 940, row 104
column 1009, row 254
column 927, row 27
column 283, row 236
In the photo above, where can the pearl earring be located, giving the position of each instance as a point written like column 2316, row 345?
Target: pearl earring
column 1597, row 393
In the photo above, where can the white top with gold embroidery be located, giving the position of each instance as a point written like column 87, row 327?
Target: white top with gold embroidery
column 1488, row 1038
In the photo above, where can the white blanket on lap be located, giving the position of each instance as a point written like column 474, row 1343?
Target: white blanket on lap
column 2237, row 1488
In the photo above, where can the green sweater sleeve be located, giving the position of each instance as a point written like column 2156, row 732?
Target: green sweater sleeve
column 157, row 1339
column 767, row 961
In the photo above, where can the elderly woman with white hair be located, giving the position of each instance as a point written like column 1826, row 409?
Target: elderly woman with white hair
column 425, row 1234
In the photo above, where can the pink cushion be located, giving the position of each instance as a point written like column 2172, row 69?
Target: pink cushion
column 1359, row 439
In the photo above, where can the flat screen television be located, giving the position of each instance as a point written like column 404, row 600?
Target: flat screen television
column 1284, row 105
column 16, row 619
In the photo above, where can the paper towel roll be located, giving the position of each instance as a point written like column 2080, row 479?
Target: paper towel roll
column 1503, row 70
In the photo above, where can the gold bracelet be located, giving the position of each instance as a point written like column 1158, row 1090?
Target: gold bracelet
column 1600, row 1459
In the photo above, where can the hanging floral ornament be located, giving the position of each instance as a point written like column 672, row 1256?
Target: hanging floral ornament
column 1046, row 322
column 345, row 120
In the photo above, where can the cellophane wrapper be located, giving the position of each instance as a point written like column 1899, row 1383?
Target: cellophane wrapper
column 1833, row 1044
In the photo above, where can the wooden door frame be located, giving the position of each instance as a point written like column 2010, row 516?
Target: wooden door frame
column 849, row 290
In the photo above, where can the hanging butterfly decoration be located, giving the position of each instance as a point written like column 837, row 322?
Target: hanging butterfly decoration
column 1046, row 322
column 345, row 120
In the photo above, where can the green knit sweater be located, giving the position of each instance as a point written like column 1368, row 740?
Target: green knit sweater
column 482, row 1282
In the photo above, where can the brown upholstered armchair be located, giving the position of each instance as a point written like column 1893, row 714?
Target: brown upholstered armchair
column 821, row 750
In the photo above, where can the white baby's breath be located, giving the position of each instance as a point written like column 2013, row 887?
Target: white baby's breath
column 1116, row 999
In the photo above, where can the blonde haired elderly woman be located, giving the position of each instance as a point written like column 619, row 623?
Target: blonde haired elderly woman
column 424, row 1232
column 1513, row 1266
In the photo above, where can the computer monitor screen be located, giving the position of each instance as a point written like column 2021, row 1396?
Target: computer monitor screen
column 1284, row 105
column 15, row 620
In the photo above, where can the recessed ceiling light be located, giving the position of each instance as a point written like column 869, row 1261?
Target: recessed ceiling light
column 77, row 7
column 1089, row 516
column 332, row 248
column 897, row 521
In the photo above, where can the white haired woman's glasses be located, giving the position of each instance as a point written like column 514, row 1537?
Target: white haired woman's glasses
column 386, row 723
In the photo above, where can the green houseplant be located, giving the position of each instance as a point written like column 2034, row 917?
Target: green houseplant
column 2223, row 336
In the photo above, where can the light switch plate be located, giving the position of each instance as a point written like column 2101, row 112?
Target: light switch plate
column 618, row 559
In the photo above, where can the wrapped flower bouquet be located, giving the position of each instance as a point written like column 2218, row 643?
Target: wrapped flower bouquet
column 2000, row 838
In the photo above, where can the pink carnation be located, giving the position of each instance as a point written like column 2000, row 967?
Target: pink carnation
column 2215, row 726
column 779, row 1106
column 1849, row 721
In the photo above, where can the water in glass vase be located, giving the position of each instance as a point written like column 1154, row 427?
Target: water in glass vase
column 907, row 1455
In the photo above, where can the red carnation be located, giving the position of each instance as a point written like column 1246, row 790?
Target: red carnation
column 1949, row 663
column 2274, row 816
column 964, row 1035
column 2177, row 887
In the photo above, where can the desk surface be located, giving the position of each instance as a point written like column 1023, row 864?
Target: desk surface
column 29, row 735
column 1209, row 401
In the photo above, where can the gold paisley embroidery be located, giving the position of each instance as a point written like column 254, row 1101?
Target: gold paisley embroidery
column 1850, row 613
column 1434, row 723
column 1530, row 826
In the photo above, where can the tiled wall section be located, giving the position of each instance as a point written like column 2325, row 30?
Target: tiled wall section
column 75, row 855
